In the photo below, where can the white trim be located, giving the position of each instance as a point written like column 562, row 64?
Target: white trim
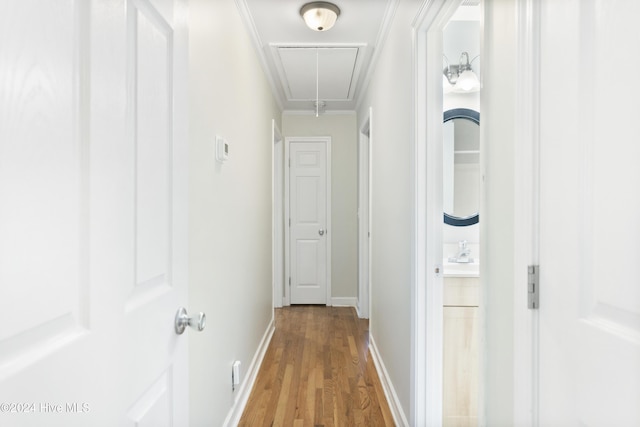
column 395, row 406
column 526, row 205
column 313, row 113
column 242, row 396
column 389, row 13
column 277, row 218
column 361, row 56
column 286, row 301
column 243, row 9
column 371, row 236
column 344, row 302
column 426, row 311
column 329, row 228
column 364, row 217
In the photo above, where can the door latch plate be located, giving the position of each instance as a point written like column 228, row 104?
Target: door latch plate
column 533, row 287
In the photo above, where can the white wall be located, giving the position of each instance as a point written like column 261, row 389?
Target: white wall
column 230, row 204
column 390, row 93
column 463, row 36
column 343, row 131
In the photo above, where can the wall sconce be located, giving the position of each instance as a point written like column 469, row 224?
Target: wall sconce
column 460, row 78
column 320, row 15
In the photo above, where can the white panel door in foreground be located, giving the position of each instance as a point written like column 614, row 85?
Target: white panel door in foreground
column 93, row 217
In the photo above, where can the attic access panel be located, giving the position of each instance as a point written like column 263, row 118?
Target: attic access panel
column 336, row 70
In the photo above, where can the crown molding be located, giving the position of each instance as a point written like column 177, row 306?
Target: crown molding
column 389, row 14
column 243, row 9
column 313, row 113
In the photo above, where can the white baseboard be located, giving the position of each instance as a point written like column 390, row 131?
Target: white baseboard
column 242, row 396
column 344, row 301
column 398, row 414
column 357, row 307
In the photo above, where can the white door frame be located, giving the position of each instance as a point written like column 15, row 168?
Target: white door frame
column 427, row 295
column 505, row 268
column 364, row 218
column 329, row 230
column 526, row 210
column 277, row 202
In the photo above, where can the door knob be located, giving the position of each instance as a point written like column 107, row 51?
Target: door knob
column 321, row 232
column 197, row 322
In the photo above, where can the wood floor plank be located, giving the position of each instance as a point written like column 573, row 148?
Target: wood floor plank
column 283, row 400
column 317, row 372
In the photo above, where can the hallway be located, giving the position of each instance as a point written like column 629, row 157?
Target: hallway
column 144, row 154
column 318, row 372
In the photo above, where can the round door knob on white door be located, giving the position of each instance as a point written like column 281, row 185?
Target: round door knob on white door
column 321, row 232
column 197, row 322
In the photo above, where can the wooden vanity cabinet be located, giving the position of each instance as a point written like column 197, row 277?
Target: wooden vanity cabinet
column 461, row 350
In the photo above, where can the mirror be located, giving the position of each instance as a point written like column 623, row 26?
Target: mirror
column 461, row 167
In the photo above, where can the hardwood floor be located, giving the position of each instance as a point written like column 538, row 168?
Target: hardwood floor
column 317, row 372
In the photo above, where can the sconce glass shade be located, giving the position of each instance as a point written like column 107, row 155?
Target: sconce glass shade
column 460, row 78
column 467, row 82
column 320, row 15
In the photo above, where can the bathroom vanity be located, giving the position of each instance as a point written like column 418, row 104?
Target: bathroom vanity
column 461, row 348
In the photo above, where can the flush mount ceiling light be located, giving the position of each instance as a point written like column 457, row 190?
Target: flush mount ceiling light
column 461, row 78
column 320, row 15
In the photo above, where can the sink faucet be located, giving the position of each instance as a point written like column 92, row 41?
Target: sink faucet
column 463, row 253
column 463, row 249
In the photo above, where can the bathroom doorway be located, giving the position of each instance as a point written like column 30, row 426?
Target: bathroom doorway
column 461, row 179
column 431, row 253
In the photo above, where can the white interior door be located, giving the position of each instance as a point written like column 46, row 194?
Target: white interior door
column 589, row 330
column 93, row 235
column 309, row 221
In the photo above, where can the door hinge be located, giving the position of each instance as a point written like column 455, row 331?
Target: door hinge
column 289, row 281
column 533, row 287
column 289, row 162
column 289, row 222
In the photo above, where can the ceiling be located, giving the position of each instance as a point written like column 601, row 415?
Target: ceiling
column 291, row 53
